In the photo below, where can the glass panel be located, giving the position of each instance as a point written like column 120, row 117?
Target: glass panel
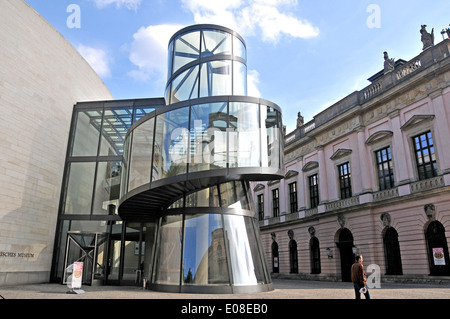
column 114, row 251
column 244, row 137
column 205, row 261
column 239, row 78
column 86, row 132
column 171, row 143
column 208, row 197
column 271, row 143
column 80, row 185
column 107, row 189
column 131, row 252
column 123, row 180
column 215, row 78
column 148, row 241
column 233, row 195
column 185, row 86
column 116, row 123
column 170, row 60
column 246, row 264
column 168, row 251
column 141, row 154
column 140, row 111
column 186, row 49
column 215, row 42
column 208, row 137
column 239, row 48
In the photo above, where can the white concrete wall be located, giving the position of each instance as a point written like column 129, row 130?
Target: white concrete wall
column 41, row 77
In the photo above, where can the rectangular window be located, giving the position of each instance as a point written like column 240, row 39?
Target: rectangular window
column 275, row 202
column 345, row 183
column 384, row 168
column 425, row 156
column 260, row 199
column 313, row 190
column 293, row 197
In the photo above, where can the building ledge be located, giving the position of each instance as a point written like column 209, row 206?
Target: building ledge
column 403, row 192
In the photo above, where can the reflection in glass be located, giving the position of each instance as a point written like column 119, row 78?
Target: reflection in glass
column 107, row 188
column 233, row 195
column 170, row 60
column 215, row 42
column 239, row 48
column 239, row 78
column 80, row 185
column 116, row 123
column 140, row 111
column 141, row 155
column 208, row 149
column 244, row 137
column 171, row 143
column 86, row 132
column 205, row 261
column 208, row 197
column 123, row 179
column 246, row 264
column 168, row 251
column 187, row 49
column 271, row 147
column 215, row 78
column 185, row 86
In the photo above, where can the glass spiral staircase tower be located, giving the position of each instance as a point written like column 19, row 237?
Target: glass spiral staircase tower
column 187, row 167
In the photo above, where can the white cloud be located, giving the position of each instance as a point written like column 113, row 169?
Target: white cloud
column 97, row 58
column 129, row 4
column 269, row 17
column 149, row 51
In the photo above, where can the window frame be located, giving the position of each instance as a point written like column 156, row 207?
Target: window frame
column 342, row 177
column 275, row 202
column 293, row 200
column 382, row 179
column 434, row 166
column 314, row 195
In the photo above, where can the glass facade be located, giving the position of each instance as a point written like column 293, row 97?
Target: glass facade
column 206, row 62
column 163, row 184
column 92, row 182
column 202, row 137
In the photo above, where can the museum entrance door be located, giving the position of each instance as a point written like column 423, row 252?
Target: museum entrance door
column 129, row 255
column 88, row 248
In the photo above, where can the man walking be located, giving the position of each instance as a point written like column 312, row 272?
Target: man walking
column 359, row 278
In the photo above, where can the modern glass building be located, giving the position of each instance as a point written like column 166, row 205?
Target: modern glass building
column 156, row 191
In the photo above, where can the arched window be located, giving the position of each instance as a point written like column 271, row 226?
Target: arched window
column 314, row 250
column 392, row 252
column 293, row 257
column 437, row 249
column 345, row 246
column 275, row 260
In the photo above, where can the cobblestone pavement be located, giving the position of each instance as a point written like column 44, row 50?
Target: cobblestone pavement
column 283, row 289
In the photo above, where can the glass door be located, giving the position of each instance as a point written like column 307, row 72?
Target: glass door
column 130, row 251
column 114, row 253
column 88, row 248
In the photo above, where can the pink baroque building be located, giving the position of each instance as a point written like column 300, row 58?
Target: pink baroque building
column 368, row 175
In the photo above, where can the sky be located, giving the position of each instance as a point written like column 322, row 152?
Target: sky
column 302, row 55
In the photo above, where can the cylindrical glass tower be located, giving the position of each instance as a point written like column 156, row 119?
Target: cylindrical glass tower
column 187, row 167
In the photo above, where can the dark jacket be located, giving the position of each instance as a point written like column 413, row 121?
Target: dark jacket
column 358, row 274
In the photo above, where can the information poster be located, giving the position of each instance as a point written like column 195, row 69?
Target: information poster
column 77, row 274
column 438, row 256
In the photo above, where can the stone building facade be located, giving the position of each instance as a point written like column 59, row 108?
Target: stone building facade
column 369, row 175
column 42, row 76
